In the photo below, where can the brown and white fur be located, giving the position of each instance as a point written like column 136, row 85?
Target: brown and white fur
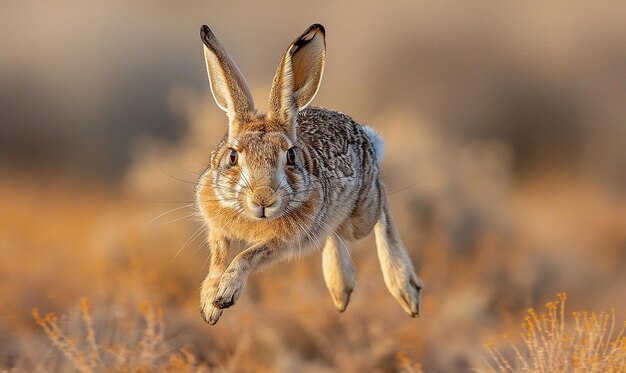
column 291, row 181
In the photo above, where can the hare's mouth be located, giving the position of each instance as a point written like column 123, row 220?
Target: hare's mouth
column 264, row 212
column 260, row 213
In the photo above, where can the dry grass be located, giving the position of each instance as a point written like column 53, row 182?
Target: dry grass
column 588, row 342
column 146, row 353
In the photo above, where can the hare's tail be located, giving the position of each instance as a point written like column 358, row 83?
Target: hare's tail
column 377, row 142
column 398, row 271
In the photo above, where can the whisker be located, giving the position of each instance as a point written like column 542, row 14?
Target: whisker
column 220, row 200
column 246, row 182
column 345, row 247
column 224, row 188
column 291, row 222
column 304, row 230
column 168, row 212
column 405, row 188
column 197, row 159
column 227, row 177
column 204, row 242
column 177, row 219
column 190, row 240
column 307, row 230
column 196, row 183
column 280, row 183
column 176, row 178
column 184, row 169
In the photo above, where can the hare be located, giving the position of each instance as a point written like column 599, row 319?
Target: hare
column 293, row 180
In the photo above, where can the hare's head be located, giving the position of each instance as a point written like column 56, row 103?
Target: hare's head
column 260, row 168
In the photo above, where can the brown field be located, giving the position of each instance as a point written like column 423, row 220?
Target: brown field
column 505, row 156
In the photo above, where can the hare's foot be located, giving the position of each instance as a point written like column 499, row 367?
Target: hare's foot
column 230, row 288
column 338, row 272
column 407, row 292
column 398, row 271
column 209, row 313
column 401, row 280
column 341, row 298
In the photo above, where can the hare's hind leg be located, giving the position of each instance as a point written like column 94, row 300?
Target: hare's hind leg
column 395, row 262
column 338, row 271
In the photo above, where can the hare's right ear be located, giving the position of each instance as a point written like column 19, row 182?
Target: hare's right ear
column 229, row 88
column 298, row 77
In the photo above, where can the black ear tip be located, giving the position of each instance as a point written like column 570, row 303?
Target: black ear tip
column 205, row 33
column 318, row 27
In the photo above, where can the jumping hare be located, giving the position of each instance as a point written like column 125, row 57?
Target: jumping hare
column 291, row 181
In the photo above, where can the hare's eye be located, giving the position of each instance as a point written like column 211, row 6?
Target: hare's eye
column 291, row 156
column 233, row 157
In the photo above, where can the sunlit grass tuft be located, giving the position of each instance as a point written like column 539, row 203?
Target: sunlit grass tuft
column 144, row 354
column 587, row 342
column 406, row 364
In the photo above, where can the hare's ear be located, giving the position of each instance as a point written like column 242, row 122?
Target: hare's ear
column 229, row 88
column 298, row 76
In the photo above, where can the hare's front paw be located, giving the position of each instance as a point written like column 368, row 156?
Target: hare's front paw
column 230, row 288
column 209, row 313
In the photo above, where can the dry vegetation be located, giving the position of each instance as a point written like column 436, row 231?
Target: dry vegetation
column 552, row 343
column 145, row 354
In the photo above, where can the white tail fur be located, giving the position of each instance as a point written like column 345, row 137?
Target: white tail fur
column 377, row 141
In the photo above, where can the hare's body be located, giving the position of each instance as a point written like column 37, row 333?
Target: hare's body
column 293, row 180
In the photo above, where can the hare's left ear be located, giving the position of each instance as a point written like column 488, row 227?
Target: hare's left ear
column 229, row 88
column 298, row 76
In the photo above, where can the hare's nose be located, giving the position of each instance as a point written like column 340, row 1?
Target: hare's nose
column 264, row 196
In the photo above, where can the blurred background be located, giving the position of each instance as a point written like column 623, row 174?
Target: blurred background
column 505, row 130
